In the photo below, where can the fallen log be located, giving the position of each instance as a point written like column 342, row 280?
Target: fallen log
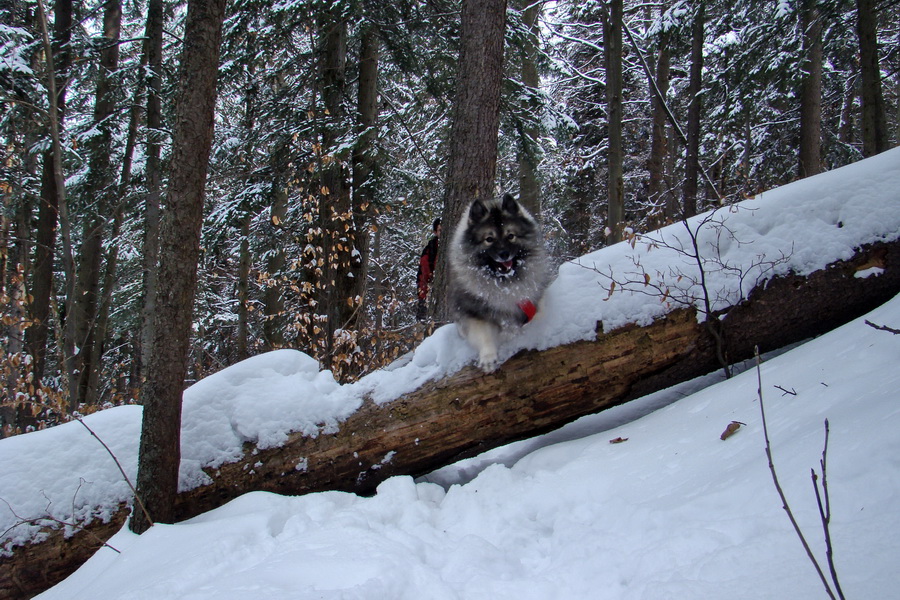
column 532, row 393
column 535, row 392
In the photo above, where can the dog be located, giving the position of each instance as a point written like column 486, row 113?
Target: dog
column 499, row 270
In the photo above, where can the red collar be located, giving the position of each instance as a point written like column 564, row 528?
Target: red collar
column 528, row 308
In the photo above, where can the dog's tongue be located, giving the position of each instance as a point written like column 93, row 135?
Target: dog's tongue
column 507, row 265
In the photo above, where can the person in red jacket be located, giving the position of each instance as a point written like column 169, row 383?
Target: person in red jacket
column 426, row 269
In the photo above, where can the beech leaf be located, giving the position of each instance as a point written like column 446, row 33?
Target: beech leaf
column 730, row 430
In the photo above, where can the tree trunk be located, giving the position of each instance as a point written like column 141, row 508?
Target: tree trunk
column 532, row 393
column 100, row 188
column 59, row 186
column 612, row 48
column 529, row 149
column 273, row 326
column 692, row 162
column 660, row 196
column 245, row 261
column 342, row 259
column 112, row 257
column 845, row 129
column 154, row 35
column 242, row 347
column 874, row 121
column 472, row 164
column 48, row 211
column 157, row 480
column 811, row 91
column 364, row 152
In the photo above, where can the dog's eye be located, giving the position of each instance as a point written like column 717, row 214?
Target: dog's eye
column 511, row 237
column 489, row 239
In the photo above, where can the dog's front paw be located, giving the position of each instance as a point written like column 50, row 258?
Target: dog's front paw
column 488, row 361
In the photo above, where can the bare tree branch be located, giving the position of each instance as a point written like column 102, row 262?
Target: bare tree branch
column 137, row 497
column 784, row 501
column 43, row 519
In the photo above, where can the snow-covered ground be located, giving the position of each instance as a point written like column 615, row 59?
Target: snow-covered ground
column 671, row 512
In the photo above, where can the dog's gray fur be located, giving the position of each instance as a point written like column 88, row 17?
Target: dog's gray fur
column 498, row 262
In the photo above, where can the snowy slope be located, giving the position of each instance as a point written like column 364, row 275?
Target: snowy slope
column 673, row 512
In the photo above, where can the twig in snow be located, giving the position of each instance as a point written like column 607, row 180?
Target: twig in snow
column 825, row 511
column 137, row 498
column 784, row 501
column 883, row 328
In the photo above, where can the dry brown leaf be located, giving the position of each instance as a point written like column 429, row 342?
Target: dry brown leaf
column 730, row 430
column 612, row 288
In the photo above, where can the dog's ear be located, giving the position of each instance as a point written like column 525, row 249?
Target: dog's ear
column 478, row 212
column 509, row 205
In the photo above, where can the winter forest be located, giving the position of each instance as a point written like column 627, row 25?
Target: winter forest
column 329, row 159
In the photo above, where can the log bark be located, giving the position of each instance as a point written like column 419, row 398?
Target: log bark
column 532, row 393
column 38, row 567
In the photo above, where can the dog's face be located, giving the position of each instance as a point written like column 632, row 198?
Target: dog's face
column 500, row 236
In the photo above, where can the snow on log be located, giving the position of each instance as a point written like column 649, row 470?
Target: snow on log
column 532, row 393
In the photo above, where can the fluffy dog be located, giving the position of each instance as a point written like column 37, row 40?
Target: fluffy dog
column 499, row 271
